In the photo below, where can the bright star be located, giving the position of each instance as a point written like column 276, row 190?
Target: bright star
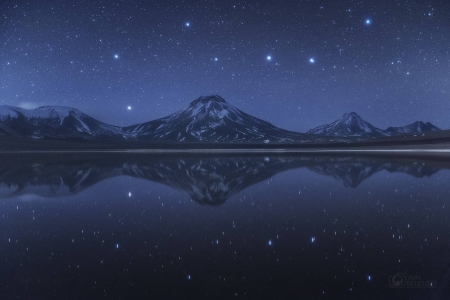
column 313, row 239
column 269, row 58
column 116, row 56
column 369, row 277
column 216, row 59
column 129, row 194
column 117, row 246
column 312, row 60
column 368, row 21
column 187, row 24
column 270, row 243
column 189, row 277
column 129, row 107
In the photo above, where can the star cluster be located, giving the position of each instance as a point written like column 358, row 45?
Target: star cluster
column 296, row 64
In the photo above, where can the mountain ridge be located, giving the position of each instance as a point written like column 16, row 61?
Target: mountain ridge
column 53, row 121
column 352, row 125
column 206, row 119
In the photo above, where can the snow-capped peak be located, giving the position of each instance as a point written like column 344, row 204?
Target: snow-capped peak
column 53, row 121
column 212, row 106
column 210, row 119
column 48, row 111
column 416, row 127
column 42, row 112
column 351, row 124
column 351, row 115
column 207, row 100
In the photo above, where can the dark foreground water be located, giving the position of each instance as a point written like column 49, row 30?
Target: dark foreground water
column 264, row 227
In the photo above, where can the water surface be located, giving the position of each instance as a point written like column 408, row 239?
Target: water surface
column 158, row 226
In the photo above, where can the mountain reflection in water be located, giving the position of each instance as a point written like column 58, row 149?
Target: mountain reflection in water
column 207, row 180
column 296, row 235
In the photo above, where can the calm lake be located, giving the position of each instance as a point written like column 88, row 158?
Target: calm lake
column 120, row 226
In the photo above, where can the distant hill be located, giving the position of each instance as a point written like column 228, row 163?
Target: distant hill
column 55, row 122
column 349, row 125
column 352, row 125
column 414, row 128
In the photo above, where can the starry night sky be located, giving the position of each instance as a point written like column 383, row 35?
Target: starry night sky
column 296, row 64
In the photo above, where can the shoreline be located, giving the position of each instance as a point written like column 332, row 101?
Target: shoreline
column 406, row 151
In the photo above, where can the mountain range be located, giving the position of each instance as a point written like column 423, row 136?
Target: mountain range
column 352, row 125
column 206, row 119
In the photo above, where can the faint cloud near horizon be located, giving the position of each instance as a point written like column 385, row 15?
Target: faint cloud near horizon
column 28, row 105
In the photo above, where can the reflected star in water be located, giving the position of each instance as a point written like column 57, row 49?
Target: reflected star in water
column 162, row 243
column 56, row 179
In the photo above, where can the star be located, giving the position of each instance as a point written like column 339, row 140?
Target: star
column 116, row 56
column 313, row 239
column 270, row 243
column 312, row 60
column 368, row 21
column 216, row 59
column 129, row 107
column 187, row 24
column 269, row 58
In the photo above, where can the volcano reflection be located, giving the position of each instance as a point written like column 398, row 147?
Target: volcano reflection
column 207, row 180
